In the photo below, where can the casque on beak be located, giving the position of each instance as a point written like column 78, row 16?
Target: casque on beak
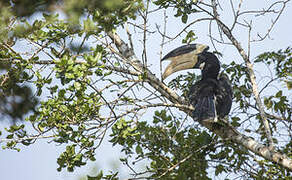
column 184, row 57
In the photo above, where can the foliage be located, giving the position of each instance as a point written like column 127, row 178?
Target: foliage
column 183, row 82
column 183, row 7
column 283, row 64
column 176, row 142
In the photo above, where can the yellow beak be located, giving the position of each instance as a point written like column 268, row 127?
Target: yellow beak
column 183, row 61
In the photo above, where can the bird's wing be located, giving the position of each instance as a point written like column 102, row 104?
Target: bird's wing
column 194, row 93
column 224, row 81
column 201, row 96
column 224, row 95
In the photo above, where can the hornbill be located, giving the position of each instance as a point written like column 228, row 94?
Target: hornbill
column 212, row 95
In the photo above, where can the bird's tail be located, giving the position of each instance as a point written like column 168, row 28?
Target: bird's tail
column 205, row 109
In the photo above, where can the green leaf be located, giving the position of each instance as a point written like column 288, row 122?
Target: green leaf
column 288, row 84
column 220, row 168
column 139, row 150
column 10, row 136
column 184, row 18
column 279, row 94
column 69, row 75
column 77, row 85
column 235, row 121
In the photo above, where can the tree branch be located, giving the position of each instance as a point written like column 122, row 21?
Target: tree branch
column 251, row 73
column 51, row 62
column 136, row 63
column 224, row 129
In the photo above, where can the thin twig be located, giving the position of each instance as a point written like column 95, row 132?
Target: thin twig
column 252, row 76
column 162, row 40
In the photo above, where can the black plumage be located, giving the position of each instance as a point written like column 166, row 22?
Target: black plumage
column 212, row 95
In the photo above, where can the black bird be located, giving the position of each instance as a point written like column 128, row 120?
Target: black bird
column 212, row 95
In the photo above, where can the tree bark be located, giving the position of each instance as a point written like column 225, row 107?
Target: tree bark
column 251, row 73
column 224, row 129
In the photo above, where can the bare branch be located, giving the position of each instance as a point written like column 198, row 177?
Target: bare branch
column 162, row 41
column 184, row 29
column 129, row 36
column 145, row 19
column 273, row 22
column 251, row 73
column 224, row 129
column 19, row 140
column 154, row 81
column 51, row 62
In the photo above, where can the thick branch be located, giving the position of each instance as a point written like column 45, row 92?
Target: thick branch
column 257, row 148
column 153, row 80
column 251, row 73
column 224, row 131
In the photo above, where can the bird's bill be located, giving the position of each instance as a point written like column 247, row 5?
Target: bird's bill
column 184, row 61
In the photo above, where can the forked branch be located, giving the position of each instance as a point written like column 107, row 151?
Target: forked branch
column 251, row 73
column 225, row 131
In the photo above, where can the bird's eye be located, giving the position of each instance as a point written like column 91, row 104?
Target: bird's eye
column 201, row 57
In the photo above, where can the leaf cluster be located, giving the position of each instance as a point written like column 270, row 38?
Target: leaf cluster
column 183, row 7
column 166, row 144
column 16, row 97
column 282, row 60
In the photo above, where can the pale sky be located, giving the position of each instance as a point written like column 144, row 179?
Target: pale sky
column 38, row 161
